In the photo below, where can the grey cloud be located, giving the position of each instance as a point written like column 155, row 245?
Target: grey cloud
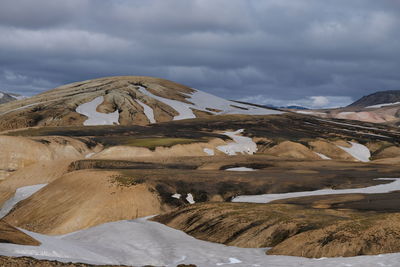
column 275, row 49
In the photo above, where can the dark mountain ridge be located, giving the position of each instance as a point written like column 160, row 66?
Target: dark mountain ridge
column 382, row 97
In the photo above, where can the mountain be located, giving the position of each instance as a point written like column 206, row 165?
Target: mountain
column 379, row 107
column 8, row 97
column 225, row 179
column 127, row 100
column 378, row 99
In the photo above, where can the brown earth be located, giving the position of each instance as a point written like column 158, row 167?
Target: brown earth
column 83, row 199
column 10, row 234
column 6, row 261
column 129, row 189
column 39, row 173
column 288, row 149
column 289, row 229
column 57, row 107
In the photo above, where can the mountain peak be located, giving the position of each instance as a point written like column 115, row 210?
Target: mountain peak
column 381, row 97
column 124, row 100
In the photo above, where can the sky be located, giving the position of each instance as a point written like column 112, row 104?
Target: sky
column 313, row 53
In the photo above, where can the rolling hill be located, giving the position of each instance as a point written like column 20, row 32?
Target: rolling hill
column 128, row 100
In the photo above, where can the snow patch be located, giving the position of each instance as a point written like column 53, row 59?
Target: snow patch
column 204, row 102
column 357, row 151
column 240, row 169
column 97, row 118
column 322, row 156
column 190, row 199
column 381, row 188
column 182, row 108
column 148, row 111
column 322, row 114
column 20, row 194
column 241, row 144
column 384, row 105
column 89, row 155
column 141, row 242
column 177, row 196
column 209, row 151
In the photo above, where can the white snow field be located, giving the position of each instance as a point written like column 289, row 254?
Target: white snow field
column 384, row 105
column 148, row 111
column 240, row 169
column 20, row 194
column 190, row 198
column 176, row 195
column 381, row 188
column 202, row 101
column 97, row 118
column 141, row 242
column 358, row 151
column 241, row 144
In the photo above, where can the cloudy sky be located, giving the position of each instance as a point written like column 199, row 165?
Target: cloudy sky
column 308, row 52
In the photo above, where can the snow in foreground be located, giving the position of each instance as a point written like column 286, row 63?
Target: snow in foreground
column 140, row 242
column 358, row 151
column 381, row 188
column 240, row 144
column 97, row 118
column 20, row 194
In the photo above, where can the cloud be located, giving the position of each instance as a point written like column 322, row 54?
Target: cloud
column 280, row 49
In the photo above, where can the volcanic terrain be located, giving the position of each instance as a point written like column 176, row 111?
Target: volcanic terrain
column 143, row 171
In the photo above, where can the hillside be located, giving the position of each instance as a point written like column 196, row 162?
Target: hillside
column 378, row 98
column 224, row 172
column 128, row 100
column 380, row 107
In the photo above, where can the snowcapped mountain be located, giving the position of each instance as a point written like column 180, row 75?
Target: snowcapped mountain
column 379, row 107
column 126, row 100
column 8, row 97
column 378, row 99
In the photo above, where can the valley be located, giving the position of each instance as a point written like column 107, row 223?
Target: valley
column 142, row 171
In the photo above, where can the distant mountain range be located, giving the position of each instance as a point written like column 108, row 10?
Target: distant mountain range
column 8, row 97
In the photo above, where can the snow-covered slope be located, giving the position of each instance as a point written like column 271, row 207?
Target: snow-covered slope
column 265, row 198
column 209, row 103
column 141, row 242
column 241, row 144
column 8, row 97
column 20, row 194
column 358, row 151
column 89, row 109
column 122, row 100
